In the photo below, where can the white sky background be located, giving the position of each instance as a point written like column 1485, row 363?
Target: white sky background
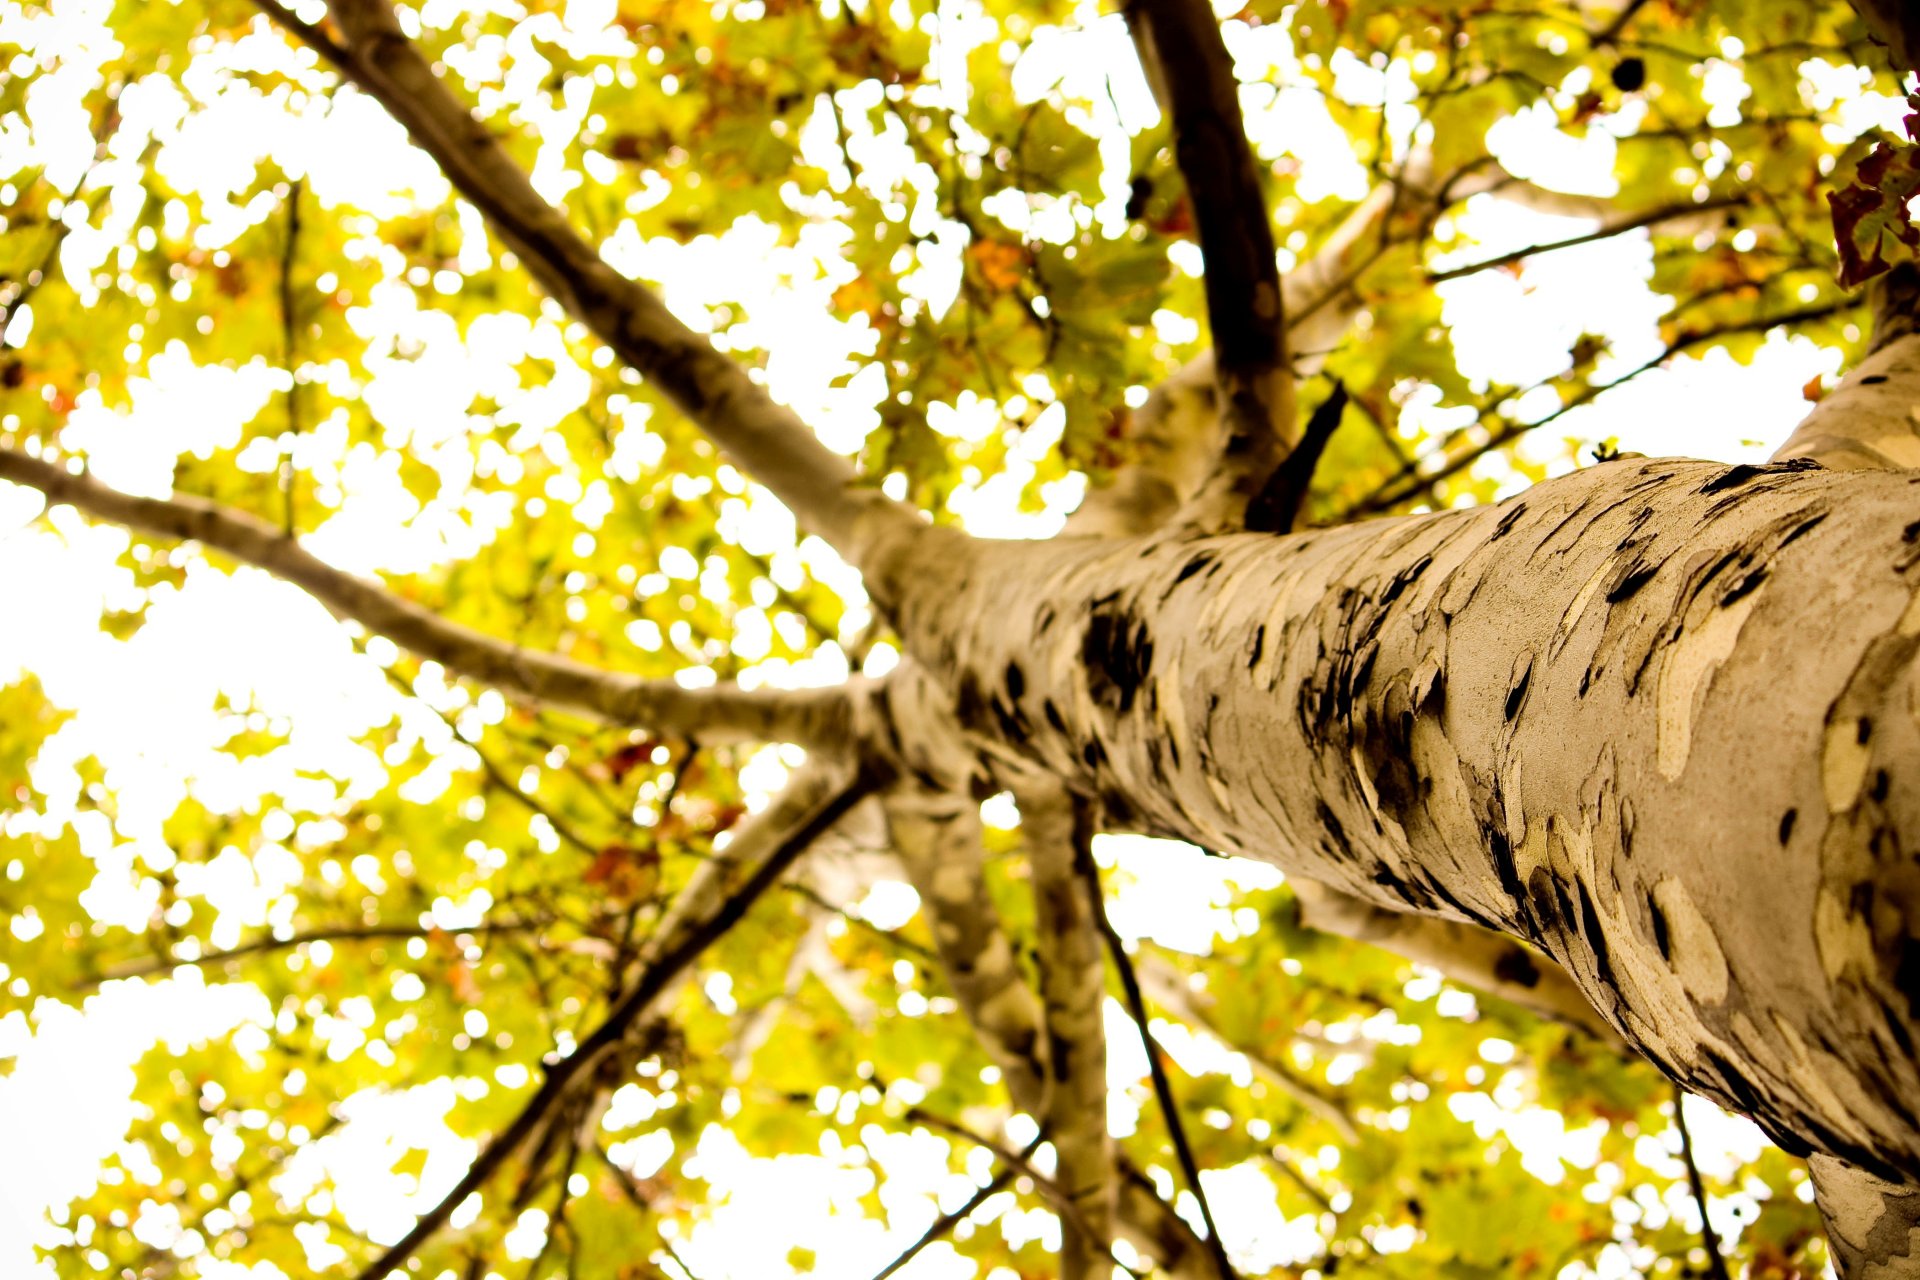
column 260, row 644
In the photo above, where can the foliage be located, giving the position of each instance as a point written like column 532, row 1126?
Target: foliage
column 460, row 892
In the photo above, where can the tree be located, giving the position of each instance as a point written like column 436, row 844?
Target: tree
column 1634, row 753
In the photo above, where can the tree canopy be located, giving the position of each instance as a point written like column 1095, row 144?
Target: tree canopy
column 416, row 707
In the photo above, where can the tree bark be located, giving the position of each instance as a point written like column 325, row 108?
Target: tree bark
column 1655, row 718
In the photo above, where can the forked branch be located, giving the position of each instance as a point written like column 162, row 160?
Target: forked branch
column 1192, row 71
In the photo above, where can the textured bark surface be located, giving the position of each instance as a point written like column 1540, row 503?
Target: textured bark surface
column 1551, row 717
column 1467, row 954
column 1073, row 989
column 1873, row 1227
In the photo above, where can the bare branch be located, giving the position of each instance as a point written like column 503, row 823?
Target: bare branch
column 1412, row 481
column 952, row 1218
column 1162, row 1085
column 937, row 835
column 1187, row 59
column 717, row 714
column 262, row 946
column 765, row 438
column 1716, row 1261
column 1651, row 217
column 770, row 845
column 1056, row 1195
column 1171, row 993
column 1465, row 953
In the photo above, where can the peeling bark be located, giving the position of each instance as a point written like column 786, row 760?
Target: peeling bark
column 1549, row 717
column 1873, row 1226
column 1468, row 954
column 938, row 837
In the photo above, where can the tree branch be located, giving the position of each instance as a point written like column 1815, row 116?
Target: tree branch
column 1716, row 1261
column 1652, row 217
column 770, row 845
column 1171, row 993
column 1465, row 953
column 1055, row 1194
column 766, row 439
column 937, row 836
column 1058, row 828
column 1162, row 1085
column 953, row 1217
column 1192, row 71
column 1412, row 481
column 261, row 946
column 719, row 713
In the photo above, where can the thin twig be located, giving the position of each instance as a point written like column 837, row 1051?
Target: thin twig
column 1054, row 1193
column 289, row 349
column 1162, row 1085
column 1716, row 1262
column 1410, row 482
column 341, row 933
column 952, row 1218
column 1651, row 217
column 561, row 1075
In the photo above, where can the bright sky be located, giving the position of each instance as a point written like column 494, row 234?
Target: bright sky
column 246, row 640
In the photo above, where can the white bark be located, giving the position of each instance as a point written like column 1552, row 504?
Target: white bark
column 1073, row 992
column 1654, row 718
column 1480, row 958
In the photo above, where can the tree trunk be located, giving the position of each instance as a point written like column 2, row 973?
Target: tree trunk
column 1657, row 718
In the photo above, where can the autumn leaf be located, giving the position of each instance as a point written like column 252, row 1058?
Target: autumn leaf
column 1000, row 264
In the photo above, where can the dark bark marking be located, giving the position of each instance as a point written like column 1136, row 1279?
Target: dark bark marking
column 1404, row 579
column 1336, row 833
column 1897, row 1026
column 1507, row 521
column 1016, row 681
column 1596, row 937
column 1873, row 379
column 1054, row 719
column 1911, row 533
column 1547, row 903
column 970, row 704
column 1745, row 473
column 1508, row 871
column 1787, row 820
column 1259, row 646
column 1906, row 975
column 1517, row 966
column 1118, row 652
column 1809, row 525
column 1629, row 581
column 1662, row 934
column 1199, row 561
column 1517, row 694
column 1745, row 587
